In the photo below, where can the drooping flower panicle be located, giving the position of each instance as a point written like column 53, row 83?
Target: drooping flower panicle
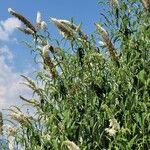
column 64, row 30
column 75, row 28
column 26, row 30
column 68, row 23
column 20, row 117
column 48, row 62
column 22, row 19
column 107, row 41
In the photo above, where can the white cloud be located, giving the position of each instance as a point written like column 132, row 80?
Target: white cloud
column 7, row 27
column 10, row 87
column 3, row 35
column 6, row 53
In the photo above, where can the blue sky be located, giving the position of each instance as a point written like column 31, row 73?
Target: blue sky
column 15, row 58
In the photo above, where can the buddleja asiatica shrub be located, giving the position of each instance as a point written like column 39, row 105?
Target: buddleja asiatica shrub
column 90, row 96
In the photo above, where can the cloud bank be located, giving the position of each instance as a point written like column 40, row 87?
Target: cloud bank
column 10, row 81
column 7, row 27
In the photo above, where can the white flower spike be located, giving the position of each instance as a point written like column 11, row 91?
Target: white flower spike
column 38, row 18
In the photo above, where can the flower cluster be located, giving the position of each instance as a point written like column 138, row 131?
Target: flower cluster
column 71, row 145
column 113, row 127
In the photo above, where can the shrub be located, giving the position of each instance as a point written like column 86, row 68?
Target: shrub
column 96, row 97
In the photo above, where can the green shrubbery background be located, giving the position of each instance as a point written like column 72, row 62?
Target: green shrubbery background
column 95, row 96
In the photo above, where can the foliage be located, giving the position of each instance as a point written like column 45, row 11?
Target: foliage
column 96, row 96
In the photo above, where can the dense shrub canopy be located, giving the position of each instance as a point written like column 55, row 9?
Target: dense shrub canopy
column 98, row 97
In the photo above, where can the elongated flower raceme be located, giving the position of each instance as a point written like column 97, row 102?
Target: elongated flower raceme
column 107, row 41
column 69, row 24
column 68, row 29
column 103, row 33
column 22, row 19
column 75, row 28
column 26, row 30
column 48, row 62
column 64, row 30
column 71, row 145
column 38, row 21
column 20, row 117
column 146, row 4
